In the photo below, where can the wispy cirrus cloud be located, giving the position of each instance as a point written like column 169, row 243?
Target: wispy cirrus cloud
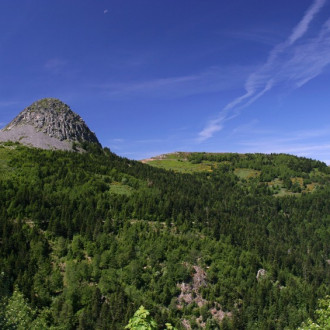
column 8, row 103
column 290, row 64
column 302, row 26
column 307, row 143
column 267, row 37
column 213, row 79
column 55, row 65
column 320, row 151
column 117, row 140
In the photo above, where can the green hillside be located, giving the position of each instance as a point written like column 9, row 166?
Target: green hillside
column 283, row 174
column 220, row 241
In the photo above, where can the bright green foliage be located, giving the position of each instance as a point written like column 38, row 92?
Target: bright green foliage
column 86, row 256
column 283, row 174
column 18, row 314
column 322, row 317
column 142, row 320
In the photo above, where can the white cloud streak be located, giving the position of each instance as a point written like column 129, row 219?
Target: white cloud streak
column 320, row 151
column 211, row 80
column 289, row 64
column 307, row 143
column 302, row 26
column 55, row 65
column 8, row 103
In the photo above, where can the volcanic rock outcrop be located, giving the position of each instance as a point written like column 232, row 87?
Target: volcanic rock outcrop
column 48, row 124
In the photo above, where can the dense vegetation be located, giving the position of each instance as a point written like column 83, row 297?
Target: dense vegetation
column 85, row 239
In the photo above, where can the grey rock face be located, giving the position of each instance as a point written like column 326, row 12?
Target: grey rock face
column 261, row 273
column 48, row 124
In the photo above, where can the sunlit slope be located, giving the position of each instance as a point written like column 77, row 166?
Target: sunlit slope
column 86, row 238
column 283, row 174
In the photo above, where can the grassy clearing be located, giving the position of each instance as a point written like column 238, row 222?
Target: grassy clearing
column 284, row 192
column 178, row 162
column 120, row 189
column 311, row 187
column 246, row 173
column 280, row 190
column 183, row 166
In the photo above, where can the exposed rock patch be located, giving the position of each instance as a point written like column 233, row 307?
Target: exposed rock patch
column 218, row 314
column 48, row 124
column 190, row 294
column 261, row 274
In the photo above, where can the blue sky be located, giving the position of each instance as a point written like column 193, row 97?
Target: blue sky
column 156, row 76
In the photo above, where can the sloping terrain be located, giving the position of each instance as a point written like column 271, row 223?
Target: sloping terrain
column 283, row 174
column 86, row 238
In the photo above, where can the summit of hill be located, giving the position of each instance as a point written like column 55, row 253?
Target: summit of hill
column 48, row 124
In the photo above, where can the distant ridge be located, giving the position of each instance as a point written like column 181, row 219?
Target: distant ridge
column 48, row 124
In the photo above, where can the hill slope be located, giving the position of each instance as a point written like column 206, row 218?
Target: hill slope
column 283, row 174
column 88, row 238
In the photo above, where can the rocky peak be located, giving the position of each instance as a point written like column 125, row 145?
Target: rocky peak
column 56, row 119
column 45, row 123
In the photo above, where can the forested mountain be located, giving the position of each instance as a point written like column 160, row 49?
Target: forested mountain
column 215, row 241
